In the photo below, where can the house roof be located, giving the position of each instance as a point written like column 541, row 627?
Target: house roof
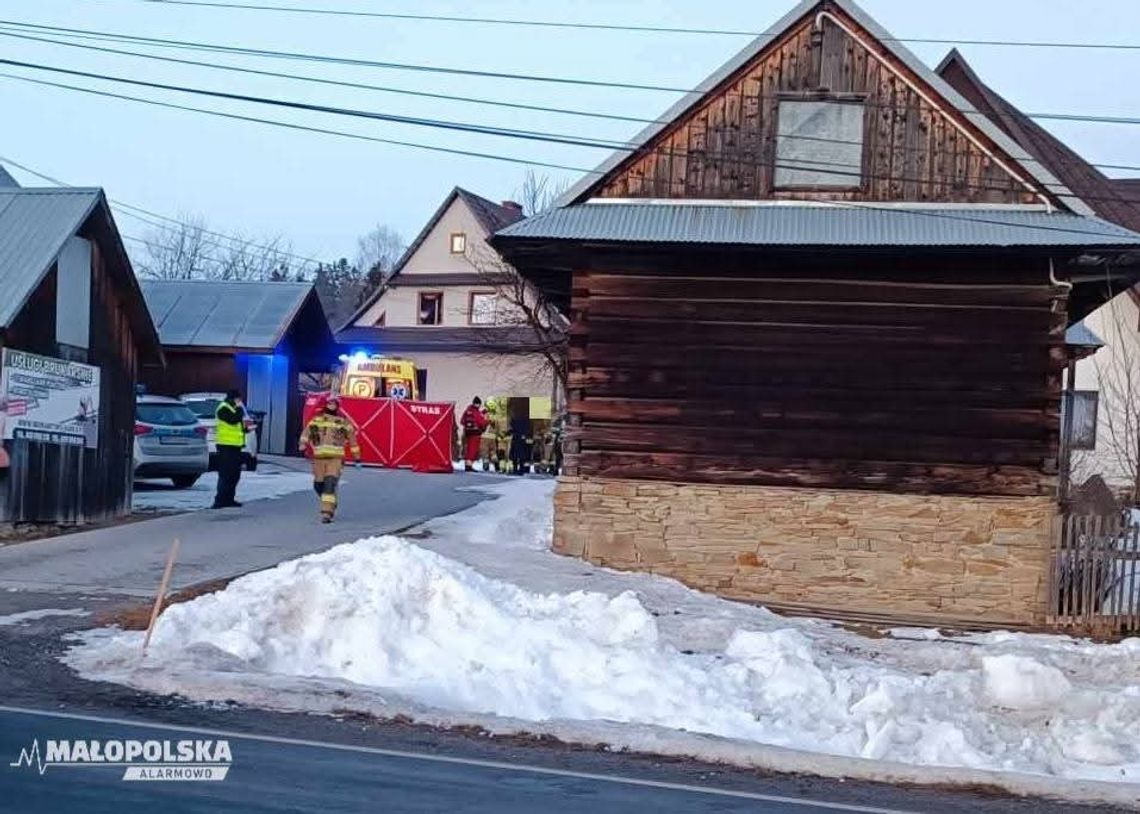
column 35, row 223
column 725, row 72
column 6, row 179
column 491, row 217
column 242, row 316
column 812, row 225
column 407, row 339
column 1107, row 198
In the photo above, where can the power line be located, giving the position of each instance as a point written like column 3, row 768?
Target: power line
column 531, row 135
column 301, row 77
column 130, row 210
column 301, row 127
column 333, row 82
column 292, row 55
column 871, row 206
column 528, row 135
column 608, row 26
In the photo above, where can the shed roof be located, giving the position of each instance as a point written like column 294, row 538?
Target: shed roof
column 1040, row 173
column 6, row 179
column 1107, row 198
column 243, row 316
column 812, row 225
column 34, row 225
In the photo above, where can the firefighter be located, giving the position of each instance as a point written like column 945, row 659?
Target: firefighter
column 327, row 434
column 474, row 422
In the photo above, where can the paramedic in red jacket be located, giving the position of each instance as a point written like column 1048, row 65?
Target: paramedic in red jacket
column 474, row 423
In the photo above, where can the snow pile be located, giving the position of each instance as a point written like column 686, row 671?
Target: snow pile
column 386, row 616
column 1018, row 682
column 491, row 629
column 266, row 483
column 521, row 516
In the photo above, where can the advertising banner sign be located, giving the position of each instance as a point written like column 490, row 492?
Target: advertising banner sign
column 49, row 400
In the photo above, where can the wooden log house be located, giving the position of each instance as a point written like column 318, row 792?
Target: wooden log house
column 818, row 320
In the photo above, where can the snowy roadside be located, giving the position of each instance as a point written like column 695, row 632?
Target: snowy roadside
column 487, row 627
column 266, row 483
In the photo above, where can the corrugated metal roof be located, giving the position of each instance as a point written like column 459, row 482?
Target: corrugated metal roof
column 34, row 224
column 856, row 225
column 223, row 314
column 1081, row 334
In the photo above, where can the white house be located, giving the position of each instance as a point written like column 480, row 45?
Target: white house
column 447, row 306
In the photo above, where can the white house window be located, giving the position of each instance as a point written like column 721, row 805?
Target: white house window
column 483, row 307
column 819, row 144
column 458, row 242
column 431, row 309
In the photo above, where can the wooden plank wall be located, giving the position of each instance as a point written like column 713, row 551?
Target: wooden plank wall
column 725, row 147
column 923, row 380
column 61, row 484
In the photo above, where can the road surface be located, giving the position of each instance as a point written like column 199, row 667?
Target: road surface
column 128, row 560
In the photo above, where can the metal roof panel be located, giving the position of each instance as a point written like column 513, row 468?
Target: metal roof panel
column 847, row 224
column 223, row 314
column 34, row 224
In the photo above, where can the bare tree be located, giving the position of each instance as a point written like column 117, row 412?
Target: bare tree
column 538, row 193
column 180, row 252
column 1117, row 367
column 522, row 317
column 243, row 258
column 190, row 251
column 379, row 249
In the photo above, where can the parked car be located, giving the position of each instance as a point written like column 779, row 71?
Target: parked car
column 169, row 442
column 205, row 406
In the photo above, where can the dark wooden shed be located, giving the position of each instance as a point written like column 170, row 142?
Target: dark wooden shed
column 69, row 298
column 818, row 336
column 258, row 337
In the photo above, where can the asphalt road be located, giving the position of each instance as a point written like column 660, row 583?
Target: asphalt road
column 127, row 560
column 279, row 774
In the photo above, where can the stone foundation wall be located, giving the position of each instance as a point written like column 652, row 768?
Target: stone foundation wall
column 952, row 558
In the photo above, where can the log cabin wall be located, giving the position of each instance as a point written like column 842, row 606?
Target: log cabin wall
column 935, row 375
column 725, row 147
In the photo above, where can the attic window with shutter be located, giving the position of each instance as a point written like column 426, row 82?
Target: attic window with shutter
column 819, row 144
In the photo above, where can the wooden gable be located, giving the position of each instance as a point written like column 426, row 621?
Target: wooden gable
column 913, row 149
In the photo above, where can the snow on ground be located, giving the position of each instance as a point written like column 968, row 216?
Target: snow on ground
column 266, row 483
column 43, row 613
column 474, row 621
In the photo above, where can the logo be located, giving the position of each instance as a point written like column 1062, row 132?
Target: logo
column 182, row 760
column 425, row 409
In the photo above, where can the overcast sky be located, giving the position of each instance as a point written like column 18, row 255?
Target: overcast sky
column 320, row 192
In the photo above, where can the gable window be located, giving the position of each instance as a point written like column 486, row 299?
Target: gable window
column 483, row 305
column 458, row 242
column 431, row 309
column 819, row 144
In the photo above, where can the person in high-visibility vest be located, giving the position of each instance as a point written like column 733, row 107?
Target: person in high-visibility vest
column 327, row 435
column 230, row 443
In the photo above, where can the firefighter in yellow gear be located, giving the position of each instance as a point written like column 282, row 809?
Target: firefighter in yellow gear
column 327, row 435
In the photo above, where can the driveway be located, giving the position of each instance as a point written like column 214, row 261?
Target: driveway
column 128, row 559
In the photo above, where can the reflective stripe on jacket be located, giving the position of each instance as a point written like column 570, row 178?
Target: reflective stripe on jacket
column 328, row 435
column 229, row 433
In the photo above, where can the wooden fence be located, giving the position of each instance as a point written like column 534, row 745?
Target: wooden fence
column 1094, row 584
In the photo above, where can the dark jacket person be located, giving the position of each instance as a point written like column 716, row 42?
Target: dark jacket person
column 230, row 444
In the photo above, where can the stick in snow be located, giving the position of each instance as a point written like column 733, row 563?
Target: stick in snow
column 161, row 592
